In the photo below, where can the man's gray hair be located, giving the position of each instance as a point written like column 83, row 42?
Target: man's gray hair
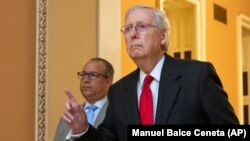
column 161, row 20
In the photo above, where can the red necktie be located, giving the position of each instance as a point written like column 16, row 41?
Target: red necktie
column 146, row 102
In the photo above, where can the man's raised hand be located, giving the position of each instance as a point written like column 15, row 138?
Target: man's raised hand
column 74, row 114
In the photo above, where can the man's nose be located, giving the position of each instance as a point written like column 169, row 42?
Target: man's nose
column 87, row 78
column 134, row 31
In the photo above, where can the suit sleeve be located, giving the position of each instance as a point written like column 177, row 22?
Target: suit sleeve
column 215, row 103
column 61, row 131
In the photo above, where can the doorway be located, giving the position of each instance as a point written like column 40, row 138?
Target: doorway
column 187, row 28
column 243, row 34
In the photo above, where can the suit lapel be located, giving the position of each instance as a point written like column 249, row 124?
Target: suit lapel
column 101, row 115
column 131, row 105
column 168, row 90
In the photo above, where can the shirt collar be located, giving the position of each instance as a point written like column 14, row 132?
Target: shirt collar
column 98, row 104
column 156, row 72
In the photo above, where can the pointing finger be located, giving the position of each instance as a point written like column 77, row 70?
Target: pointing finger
column 70, row 95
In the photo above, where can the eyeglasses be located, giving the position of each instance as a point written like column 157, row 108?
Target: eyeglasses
column 91, row 75
column 127, row 29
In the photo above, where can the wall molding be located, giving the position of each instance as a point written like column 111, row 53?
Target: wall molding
column 41, row 71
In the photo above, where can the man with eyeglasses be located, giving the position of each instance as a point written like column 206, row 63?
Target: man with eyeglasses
column 95, row 79
column 161, row 91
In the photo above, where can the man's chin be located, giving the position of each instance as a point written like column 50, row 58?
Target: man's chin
column 87, row 93
column 136, row 55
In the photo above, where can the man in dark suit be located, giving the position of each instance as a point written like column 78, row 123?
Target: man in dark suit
column 181, row 91
column 95, row 79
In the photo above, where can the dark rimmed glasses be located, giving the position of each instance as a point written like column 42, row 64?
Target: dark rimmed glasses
column 91, row 75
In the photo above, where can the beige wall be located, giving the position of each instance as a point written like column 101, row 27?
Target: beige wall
column 109, row 36
column 72, row 41
column 17, row 73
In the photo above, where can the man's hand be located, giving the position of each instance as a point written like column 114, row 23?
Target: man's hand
column 74, row 115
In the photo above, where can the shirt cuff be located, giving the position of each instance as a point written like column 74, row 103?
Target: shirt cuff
column 71, row 137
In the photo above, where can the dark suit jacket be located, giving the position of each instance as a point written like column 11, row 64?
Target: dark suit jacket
column 63, row 129
column 190, row 92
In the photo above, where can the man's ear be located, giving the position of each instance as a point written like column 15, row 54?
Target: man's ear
column 110, row 80
column 164, row 39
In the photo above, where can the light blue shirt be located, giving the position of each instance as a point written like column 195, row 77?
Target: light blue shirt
column 154, row 85
column 98, row 104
